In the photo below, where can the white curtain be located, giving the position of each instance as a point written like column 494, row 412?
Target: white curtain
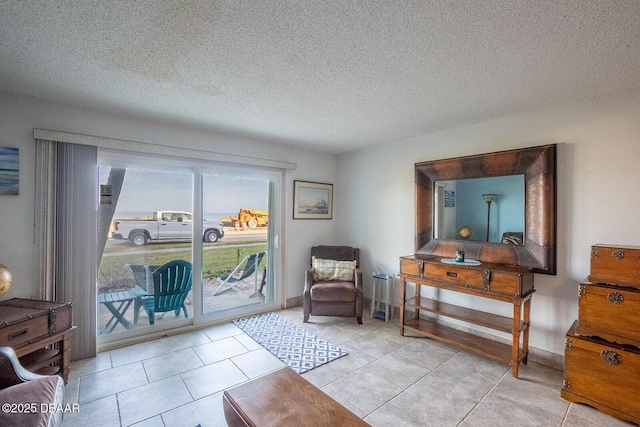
column 67, row 207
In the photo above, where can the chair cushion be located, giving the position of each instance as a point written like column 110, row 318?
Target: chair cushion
column 334, row 292
column 328, row 269
column 41, row 392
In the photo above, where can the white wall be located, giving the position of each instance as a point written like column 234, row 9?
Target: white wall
column 18, row 117
column 598, row 172
column 598, row 202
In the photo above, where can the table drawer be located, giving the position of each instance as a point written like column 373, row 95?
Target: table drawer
column 497, row 279
column 463, row 276
column 411, row 266
column 511, row 280
column 19, row 326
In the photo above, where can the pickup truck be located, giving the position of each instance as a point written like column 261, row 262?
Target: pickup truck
column 165, row 225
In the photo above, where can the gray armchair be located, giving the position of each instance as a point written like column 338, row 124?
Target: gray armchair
column 21, row 387
column 334, row 294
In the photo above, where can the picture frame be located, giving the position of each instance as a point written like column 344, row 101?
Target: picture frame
column 9, row 171
column 312, row 200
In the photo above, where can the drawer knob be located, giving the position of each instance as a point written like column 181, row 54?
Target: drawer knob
column 611, row 357
column 616, row 298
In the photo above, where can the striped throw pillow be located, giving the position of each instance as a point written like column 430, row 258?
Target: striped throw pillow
column 329, row 269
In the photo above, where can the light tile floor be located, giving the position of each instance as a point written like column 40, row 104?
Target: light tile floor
column 387, row 379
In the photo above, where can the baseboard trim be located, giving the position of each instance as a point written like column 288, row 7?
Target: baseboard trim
column 294, row 302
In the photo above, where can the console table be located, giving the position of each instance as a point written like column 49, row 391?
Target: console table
column 506, row 283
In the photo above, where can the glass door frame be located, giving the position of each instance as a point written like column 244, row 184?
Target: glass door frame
column 275, row 261
column 197, row 168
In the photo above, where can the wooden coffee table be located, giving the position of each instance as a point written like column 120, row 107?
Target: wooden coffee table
column 284, row 398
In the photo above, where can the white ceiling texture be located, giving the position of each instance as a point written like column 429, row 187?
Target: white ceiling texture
column 331, row 75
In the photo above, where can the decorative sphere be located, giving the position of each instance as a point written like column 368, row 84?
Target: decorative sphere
column 464, row 232
column 5, row 280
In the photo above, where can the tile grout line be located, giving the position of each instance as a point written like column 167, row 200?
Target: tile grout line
column 475, row 405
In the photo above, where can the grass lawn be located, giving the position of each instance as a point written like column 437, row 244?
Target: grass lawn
column 216, row 262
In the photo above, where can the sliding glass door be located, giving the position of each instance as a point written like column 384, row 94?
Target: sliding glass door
column 221, row 219
column 234, row 274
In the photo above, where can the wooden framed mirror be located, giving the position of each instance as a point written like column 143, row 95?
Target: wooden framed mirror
column 535, row 246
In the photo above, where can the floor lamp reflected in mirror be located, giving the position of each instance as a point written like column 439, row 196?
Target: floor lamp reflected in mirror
column 489, row 198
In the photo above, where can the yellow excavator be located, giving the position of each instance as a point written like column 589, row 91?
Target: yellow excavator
column 249, row 218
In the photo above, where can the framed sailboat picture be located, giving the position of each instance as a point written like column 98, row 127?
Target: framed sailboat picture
column 312, row 200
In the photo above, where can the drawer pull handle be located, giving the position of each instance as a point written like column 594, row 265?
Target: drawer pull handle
column 611, row 357
column 616, row 298
column 452, row 274
column 617, row 254
column 18, row 334
column 486, row 279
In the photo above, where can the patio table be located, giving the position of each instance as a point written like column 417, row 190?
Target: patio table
column 123, row 300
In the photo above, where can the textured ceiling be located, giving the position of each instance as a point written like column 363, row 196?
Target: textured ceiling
column 329, row 75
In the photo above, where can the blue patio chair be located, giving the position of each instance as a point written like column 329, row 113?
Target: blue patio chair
column 171, row 285
column 248, row 266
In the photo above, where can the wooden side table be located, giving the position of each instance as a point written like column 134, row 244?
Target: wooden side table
column 123, row 299
column 382, row 284
column 40, row 334
column 48, row 356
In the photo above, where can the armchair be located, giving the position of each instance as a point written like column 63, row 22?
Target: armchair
column 333, row 284
column 22, row 387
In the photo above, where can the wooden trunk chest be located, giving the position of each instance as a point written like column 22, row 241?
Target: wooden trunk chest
column 609, row 312
column 24, row 321
column 602, row 374
column 507, row 280
column 616, row 265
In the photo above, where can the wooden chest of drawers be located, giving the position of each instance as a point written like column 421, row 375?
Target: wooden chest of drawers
column 602, row 374
column 609, row 312
column 24, row 321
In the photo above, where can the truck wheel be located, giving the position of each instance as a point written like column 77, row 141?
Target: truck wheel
column 211, row 236
column 138, row 239
column 252, row 223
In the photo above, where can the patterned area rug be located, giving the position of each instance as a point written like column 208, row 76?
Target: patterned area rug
column 297, row 348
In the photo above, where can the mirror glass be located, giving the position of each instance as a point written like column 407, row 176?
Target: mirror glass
column 480, row 209
column 534, row 169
